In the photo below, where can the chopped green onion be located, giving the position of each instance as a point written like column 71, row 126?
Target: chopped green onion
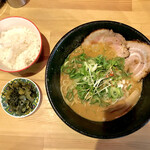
column 70, row 95
column 96, row 79
column 129, row 87
column 115, row 92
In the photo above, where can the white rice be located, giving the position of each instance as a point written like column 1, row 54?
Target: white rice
column 18, row 48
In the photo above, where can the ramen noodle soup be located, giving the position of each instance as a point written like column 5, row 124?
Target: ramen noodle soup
column 96, row 81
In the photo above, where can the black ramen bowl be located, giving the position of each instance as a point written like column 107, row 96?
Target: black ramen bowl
column 127, row 124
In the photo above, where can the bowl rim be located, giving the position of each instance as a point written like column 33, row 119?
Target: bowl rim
column 19, row 17
column 39, row 98
column 122, row 134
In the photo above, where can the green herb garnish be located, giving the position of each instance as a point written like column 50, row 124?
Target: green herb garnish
column 96, row 79
column 129, row 87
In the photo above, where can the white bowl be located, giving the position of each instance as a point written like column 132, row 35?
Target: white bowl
column 17, row 22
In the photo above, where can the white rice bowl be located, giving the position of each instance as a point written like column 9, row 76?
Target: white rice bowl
column 20, row 44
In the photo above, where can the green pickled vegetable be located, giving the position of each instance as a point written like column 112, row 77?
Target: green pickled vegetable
column 20, row 97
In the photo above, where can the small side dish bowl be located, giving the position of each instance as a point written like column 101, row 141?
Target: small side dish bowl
column 20, row 85
column 24, row 38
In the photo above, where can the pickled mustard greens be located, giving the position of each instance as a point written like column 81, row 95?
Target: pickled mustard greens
column 95, row 79
column 20, row 96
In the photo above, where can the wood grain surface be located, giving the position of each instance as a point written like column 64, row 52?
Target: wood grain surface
column 44, row 130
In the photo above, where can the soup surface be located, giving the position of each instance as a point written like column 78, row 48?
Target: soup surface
column 112, row 97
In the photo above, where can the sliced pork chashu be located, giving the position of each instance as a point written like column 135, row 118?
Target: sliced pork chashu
column 138, row 62
column 114, row 40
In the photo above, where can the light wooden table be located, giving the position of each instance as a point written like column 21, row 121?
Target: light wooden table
column 44, row 130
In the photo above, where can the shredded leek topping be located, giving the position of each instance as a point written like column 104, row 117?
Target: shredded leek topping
column 95, row 79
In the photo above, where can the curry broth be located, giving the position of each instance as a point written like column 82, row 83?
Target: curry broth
column 94, row 111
